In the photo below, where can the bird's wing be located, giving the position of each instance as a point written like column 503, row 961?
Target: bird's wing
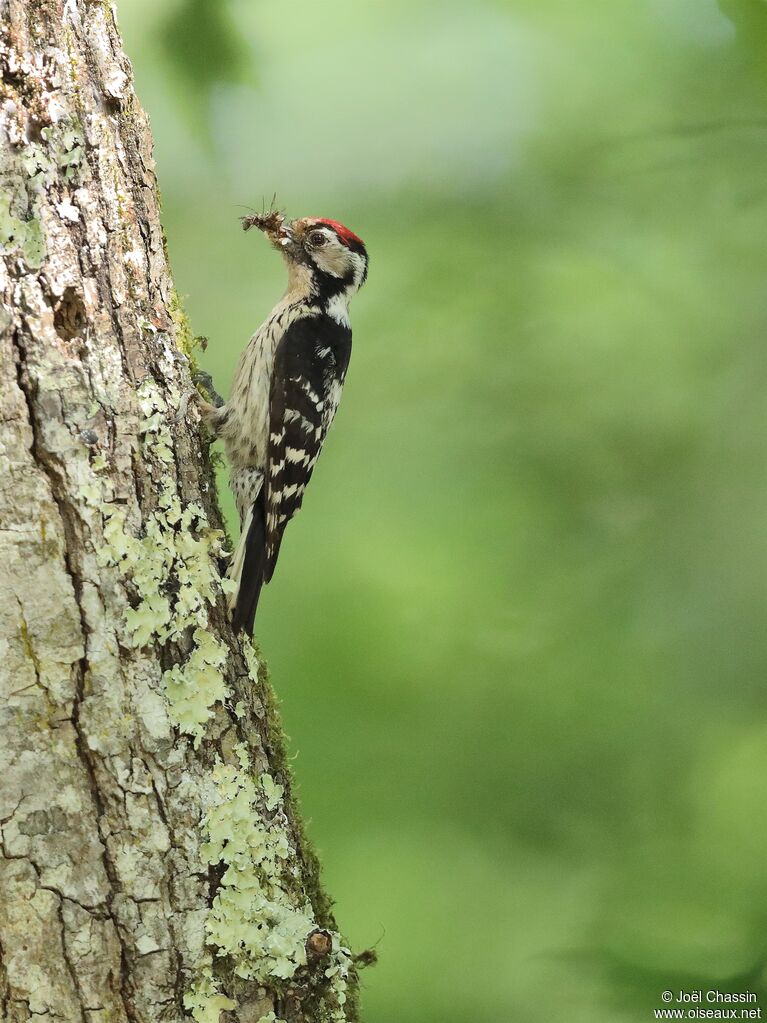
column 309, row 369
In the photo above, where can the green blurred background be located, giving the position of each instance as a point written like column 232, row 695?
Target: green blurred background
column 519, row 628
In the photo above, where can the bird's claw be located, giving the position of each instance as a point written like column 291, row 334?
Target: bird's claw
column 205, row 380
column 200, row 379
column 183, row 405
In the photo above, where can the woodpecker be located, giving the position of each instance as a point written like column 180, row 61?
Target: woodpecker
column 285, row 392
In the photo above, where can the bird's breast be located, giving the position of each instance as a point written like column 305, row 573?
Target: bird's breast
column 246, row 436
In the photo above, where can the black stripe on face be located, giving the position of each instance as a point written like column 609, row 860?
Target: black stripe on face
column 355, row 247
column 328, row 284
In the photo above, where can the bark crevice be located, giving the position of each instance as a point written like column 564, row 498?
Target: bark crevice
column 69, row 964
column 73, row 542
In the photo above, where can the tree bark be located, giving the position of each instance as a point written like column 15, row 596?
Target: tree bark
column 152, row 861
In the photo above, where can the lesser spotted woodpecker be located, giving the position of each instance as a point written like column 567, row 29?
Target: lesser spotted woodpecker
column 285, row 393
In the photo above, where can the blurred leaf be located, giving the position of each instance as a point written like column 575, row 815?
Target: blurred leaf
column 204, row 47
column 750, row 20
column 746, row 14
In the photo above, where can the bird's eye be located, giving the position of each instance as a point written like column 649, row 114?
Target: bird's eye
column 317, row 239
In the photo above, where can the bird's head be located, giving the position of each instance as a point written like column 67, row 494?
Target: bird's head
column 325, row 256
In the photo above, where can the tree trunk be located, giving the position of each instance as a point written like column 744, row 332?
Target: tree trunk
column 152, row 863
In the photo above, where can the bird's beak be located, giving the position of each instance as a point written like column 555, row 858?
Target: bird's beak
column 276, row 232
column 272, row 224
column 286, row 241
column 280, row 233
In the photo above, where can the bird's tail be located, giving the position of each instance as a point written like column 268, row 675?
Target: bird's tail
column 247, row 567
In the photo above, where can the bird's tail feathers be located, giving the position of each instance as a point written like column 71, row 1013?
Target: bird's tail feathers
column 247, row 567
column 234, row 571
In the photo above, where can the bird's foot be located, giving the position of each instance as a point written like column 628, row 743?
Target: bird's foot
column 206, row 409
column 205, row 380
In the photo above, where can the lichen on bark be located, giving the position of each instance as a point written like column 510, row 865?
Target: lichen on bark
column 152, row 861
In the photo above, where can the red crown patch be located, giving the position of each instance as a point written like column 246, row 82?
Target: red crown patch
column 346, row 236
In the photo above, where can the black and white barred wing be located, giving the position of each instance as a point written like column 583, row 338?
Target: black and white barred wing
column 309, row 368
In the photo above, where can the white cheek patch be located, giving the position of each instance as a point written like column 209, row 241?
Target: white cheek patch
column 359, row 269
column 333, row 259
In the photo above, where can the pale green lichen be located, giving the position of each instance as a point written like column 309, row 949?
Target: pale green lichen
column 272, row 792
column 19, row 235
column 338, row 975
column 195, row 686
column 255, row 919
column 204, row 1000
column 62, row 149
column 260, row 919
column 59, row 155
column 173, row 568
